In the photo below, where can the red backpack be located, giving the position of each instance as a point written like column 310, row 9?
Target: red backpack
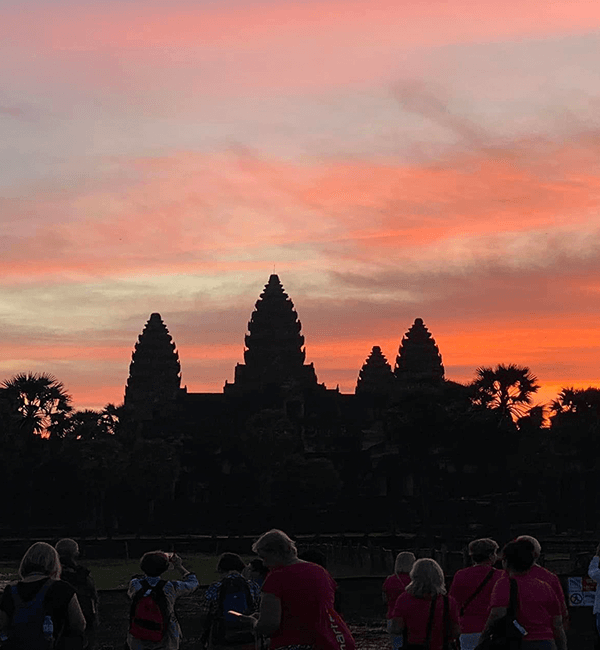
column 149, row 615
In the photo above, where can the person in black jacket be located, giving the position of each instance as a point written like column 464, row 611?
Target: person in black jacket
column 80, row 579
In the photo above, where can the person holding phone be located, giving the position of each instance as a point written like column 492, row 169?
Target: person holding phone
column 154, row 564
column 297, row 605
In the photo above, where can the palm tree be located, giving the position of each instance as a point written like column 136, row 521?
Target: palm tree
column 506, row 389
column 577, row 400
column 38, row 403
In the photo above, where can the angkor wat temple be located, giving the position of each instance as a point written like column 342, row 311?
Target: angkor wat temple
column 274, row 373
column 276, row 404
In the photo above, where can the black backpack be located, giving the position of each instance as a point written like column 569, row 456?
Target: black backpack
column 79, row 578
column 234, row 594
column 31, row 627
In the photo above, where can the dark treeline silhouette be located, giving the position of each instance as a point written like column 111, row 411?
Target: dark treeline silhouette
column 426, row 458
column 409, row 451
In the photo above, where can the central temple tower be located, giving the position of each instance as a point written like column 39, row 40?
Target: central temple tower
column 274, row 355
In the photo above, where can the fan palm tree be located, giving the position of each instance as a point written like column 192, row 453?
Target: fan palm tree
column 506, row 389
column 38, row 402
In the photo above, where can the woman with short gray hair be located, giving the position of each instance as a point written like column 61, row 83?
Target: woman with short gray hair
column 472, row 588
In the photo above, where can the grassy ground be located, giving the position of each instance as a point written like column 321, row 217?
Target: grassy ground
column 116, row 574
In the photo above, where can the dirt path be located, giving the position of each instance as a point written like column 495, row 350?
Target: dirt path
column 114, row 612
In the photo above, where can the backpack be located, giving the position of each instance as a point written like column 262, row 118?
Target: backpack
column 149, row 615
column 79, row 578
column 31, row 627
column 234, row 594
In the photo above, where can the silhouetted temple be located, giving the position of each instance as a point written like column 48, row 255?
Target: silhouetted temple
column 274, row 362
column 275, row 402
column 419, row 359
column 274, row 352
column 376, row 375
column 154, row 372
column 274, row 378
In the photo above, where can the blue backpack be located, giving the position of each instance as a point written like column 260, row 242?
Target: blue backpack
column 234, row 594
column 31, row 627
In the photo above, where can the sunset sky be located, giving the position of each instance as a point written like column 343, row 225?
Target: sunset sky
column 391, row 159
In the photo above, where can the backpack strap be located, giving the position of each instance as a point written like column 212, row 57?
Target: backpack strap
column 38, row 597
column 430, row 622
column 477, row 591
column 513, row 603
column 447, row 624
column 160, row 586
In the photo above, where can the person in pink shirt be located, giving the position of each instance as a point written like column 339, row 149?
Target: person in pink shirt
column 538, row 612
column 395, row 585
column 297, row 605
column 472, row 589
column 424, row 612
column 544, row 575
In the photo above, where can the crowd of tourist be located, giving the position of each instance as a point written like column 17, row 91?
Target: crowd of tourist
column 285, row 602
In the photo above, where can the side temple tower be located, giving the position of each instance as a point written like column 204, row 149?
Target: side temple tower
column 154, row 373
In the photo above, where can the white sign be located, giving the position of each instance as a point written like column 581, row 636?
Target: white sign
column 582, row 592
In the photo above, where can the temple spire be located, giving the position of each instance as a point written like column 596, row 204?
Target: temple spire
column 376, row 376
column 274, row 353
column 419, row 359
column 154, row 372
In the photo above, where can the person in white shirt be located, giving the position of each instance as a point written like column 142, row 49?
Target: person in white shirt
column 594, row 573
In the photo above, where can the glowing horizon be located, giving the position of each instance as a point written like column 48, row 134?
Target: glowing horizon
column 392, row 160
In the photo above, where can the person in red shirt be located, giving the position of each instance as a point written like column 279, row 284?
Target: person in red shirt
column 472, row 589
column 538, row 611
column 544, row 575
column 424, row 606
column 395, row 585
column 297, row 604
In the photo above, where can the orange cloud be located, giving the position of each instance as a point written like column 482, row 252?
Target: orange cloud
column 205, row 213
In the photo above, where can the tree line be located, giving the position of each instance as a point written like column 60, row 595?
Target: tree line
column 439, row 450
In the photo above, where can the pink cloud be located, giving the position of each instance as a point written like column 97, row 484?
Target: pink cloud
column 290, row 45
column 98, row 25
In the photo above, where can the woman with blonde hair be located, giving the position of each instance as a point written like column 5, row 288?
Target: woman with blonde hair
column 297, row 604
column 40, row 590
column 424, row 614
column 395, row 585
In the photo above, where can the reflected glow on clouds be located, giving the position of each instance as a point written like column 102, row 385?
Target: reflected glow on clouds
column 391, row 161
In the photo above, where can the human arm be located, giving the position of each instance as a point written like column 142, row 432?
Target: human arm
column 496, row 613
column 454, row 630
column 75, row 616
column 559, row 633
column 594, row 569
column 398, row 625
column 189, row 581
column 269, row 616
column 134, row 586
